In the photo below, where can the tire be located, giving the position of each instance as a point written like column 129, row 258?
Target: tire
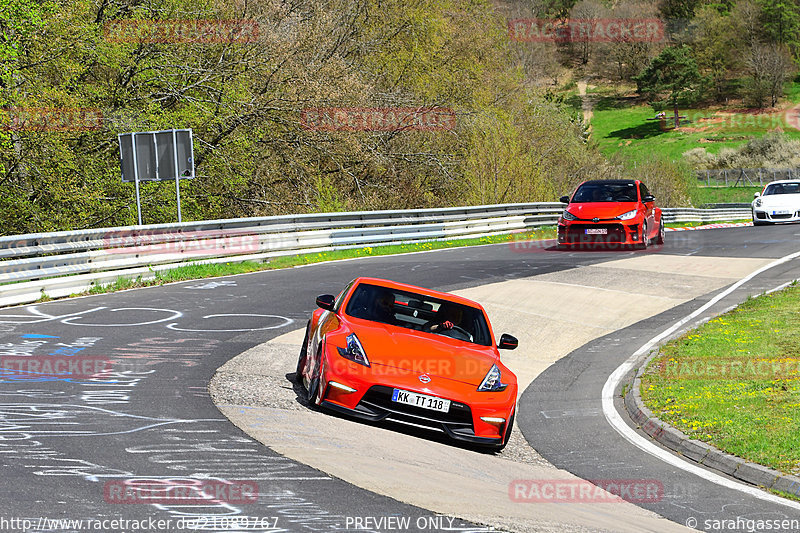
column 506, row 434
column 314, row 394
column 661, row 233
column 313, row 388
column 642, row 245
column 301, row 360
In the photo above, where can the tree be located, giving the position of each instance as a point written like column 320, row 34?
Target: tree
column 781, row 19
column 715, row 46
column 624, row 55
column 586, row 10
column 672, row 78
column 769, row 67
column 678, row 9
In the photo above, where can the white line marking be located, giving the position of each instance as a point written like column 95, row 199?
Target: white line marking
column 616, row 421
column 284, row 322
column 175, row 314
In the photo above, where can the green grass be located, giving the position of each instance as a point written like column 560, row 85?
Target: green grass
column 201, row 270
column 792, row 91
column 722, row 195
column 620, row 125
column 735, row 381
column 627, row 130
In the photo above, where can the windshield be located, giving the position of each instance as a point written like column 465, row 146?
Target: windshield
column 605, row 192
column 420, row 313
column 782, row 188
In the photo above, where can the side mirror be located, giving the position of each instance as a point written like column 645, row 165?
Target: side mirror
column 649, row 198
column 756, row 195
column 564, row 199
column 507, row 342
column 326, row 301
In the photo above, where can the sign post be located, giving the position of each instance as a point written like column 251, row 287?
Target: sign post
column 157, row 156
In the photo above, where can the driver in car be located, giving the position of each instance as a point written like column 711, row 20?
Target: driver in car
column 448, row 319
column 383, row 308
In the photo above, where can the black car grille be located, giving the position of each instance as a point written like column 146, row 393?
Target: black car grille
column 379, row 398
column 576, row 233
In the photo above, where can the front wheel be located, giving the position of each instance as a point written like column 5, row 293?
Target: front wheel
column 661, row 233
column 506, row 433
column 643, row 241
column 315, row 391
column 301, row 360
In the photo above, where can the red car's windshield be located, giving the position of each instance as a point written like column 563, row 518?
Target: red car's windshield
column 605, row 192
column 418, row 312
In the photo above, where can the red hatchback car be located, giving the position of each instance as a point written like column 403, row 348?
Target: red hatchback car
column 602, row 212
column 382, row 350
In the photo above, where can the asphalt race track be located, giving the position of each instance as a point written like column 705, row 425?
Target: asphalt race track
column 71, row 447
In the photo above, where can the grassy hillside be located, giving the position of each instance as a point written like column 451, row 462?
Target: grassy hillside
column 620, row 125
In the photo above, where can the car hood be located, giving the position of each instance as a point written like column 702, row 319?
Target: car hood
column 604, row 210
column 402, row 349
column 781, row 200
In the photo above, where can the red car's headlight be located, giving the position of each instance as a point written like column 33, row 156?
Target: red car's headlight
column 354, row 351
column 566, row 215
column 492, row 382
column 627, row 216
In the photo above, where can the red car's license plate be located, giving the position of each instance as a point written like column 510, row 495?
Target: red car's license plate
column 596, row 231
column 421, row 400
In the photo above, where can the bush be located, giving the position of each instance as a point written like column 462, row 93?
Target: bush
column 774, row 150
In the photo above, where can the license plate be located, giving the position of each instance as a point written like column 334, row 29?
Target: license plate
column 782, row 212
column 596, row 231
column 421, row 400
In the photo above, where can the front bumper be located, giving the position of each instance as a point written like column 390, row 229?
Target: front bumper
column 587, row 232
column 372, row 400
column 769, row 215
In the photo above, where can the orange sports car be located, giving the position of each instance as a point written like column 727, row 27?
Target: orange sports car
column 382, row 350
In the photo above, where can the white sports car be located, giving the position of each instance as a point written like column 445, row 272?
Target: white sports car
column 780, row 202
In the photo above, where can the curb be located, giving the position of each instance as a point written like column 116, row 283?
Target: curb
column 712, row 226
column 700, row 452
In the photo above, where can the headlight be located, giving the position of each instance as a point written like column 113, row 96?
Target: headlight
column 492, row 382
column 758, row 202
column 354, row 351
column 627, row 216
column 566, row 215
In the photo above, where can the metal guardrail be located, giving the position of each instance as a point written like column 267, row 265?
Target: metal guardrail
column 685, row 214
column 67, row 262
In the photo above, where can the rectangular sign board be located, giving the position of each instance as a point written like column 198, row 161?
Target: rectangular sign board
column 156, row 155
